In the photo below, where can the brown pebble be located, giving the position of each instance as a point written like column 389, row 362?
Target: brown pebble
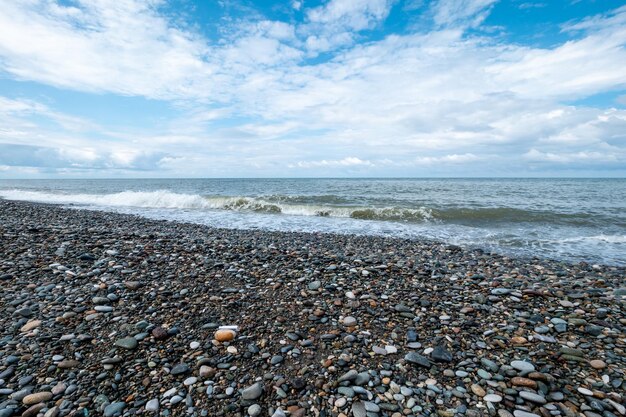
column 597, row 364
column 37, row 398
column 33, row 324
column 132, row 285
column 159, row 333
column 68, row 364
column 478, row 390
column 523, row 382
column 33, row 410
column 224, row 335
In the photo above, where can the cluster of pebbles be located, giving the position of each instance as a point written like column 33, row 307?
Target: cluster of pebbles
column 116, row 315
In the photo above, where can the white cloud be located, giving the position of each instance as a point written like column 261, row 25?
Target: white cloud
column 351, row 14
column 461, row 12
column 569, row 157
column 447, row 159
column 123, row 47
column 349, row 161
column 442, row 97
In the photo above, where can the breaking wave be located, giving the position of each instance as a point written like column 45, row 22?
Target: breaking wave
column 170, row 200
column 307, row 205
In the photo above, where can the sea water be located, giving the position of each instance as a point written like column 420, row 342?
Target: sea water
column 566, row 219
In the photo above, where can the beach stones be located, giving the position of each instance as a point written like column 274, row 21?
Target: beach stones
column 425, row 334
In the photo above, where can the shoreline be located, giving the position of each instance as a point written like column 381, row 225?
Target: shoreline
column 511, row 255
column 113, row 306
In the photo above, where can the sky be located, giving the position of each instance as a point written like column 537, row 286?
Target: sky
column 304, row 88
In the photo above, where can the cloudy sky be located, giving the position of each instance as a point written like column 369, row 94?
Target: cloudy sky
column 304, row 88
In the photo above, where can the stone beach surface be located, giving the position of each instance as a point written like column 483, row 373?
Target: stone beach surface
column 116, row 315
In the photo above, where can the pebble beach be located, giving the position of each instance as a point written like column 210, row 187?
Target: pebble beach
column 117, row 315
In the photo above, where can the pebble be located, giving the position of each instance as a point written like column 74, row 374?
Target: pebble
column 597, row 364
column 254, row 410
column 152, row 405
column 127, row 343
column 37, row 398
column 417, row 359
column 31, row 325
column 224, row 335
column 492, row 398
column 114, row 409
column 529, row 396
column 252, row 392
column 349, row 321
column 523, row 366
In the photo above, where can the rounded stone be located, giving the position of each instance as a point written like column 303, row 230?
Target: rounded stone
column 224, row 335
column 254, row 410
column 152, row 405
column 33, row 324
column 127, row 343
column 349, row 321
column 523, row 366
column 37, row 398
column 492, row 398
column 597, row 364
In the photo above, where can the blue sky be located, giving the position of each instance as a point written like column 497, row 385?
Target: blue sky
column 242, row 88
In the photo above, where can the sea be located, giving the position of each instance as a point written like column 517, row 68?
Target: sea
column 573, row 220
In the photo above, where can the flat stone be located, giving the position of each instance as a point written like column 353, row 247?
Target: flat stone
column 127, row 343
column 349, row 376
column 532, row 397
column 31, row 325
column 478, row 390
column 520, row 413
column 152, row 405
column 315, row 285
column 358, row 409
column 523, row 366
column 114, row 409
column 36, row 398
column 440, row 354
column 349, row 321
column 417, row 359
column 254, row 410
column 179, row 369
column 492, row 398
column 252, row 392
column 68, row 364
column 597, row 364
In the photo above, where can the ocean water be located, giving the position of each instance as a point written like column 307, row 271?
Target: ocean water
column 566, row 219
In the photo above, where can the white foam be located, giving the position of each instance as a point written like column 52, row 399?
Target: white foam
column 597, row 238
column 152, row 199
column 163, row 199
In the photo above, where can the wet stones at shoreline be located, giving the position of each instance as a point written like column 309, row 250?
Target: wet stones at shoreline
column 123, row 322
